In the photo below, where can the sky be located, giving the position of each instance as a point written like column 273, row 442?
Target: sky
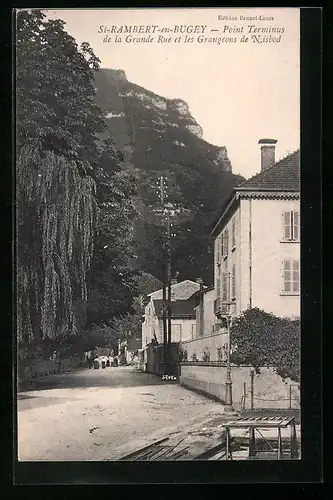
column 237, row 92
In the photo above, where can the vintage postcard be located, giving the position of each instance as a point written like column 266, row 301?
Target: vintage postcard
column 158, row 234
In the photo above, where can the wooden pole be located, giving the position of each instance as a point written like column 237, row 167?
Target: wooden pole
column 252, row 387
column 164, row 298
column 169, row 292
column 293, row 440
column 227, row 443
column 279, row 452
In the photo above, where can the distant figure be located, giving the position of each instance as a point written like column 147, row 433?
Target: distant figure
column 96, row 363
column 53, row 356
column 115, row 361
column 135, row 361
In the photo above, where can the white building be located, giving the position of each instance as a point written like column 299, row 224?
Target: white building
column 257, row 239
column 183, row 317
column 206, row 321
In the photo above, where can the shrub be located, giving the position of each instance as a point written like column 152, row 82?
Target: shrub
column 183, row 354
column 222, row 353
column 262, row 339
column 206, row 354
column 194, row 356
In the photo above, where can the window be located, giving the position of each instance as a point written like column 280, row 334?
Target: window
column 225, row 243
column 291, row 276
column 176, row 333
column 193, row 331
column 233, row 233
column 233, row 282
column 291, row 225
column 218, row 286
column 225, row 287
column 218, row 250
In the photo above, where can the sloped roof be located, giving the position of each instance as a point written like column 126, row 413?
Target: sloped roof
column 282, row 176
column 179, row 309
column 180, row 291
column 197, row 296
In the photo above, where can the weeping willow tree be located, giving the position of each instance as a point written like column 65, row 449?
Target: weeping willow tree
column 57, row 215
column 63, row 166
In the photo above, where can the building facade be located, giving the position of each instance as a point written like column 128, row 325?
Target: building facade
column 257, row 240
column 183, row 316
column 206, row 321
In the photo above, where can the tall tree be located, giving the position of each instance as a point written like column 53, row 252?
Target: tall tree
column 70, row 183
column 112, row 280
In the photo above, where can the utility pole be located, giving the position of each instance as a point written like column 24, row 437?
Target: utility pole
column 168, row 212
column 164, row 301
column 169, row 291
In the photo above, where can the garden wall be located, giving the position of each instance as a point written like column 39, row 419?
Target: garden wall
column 210, row 343
column 269, row 390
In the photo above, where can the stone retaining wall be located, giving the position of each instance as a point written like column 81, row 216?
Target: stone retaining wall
column 44, row 367
column 270, row 391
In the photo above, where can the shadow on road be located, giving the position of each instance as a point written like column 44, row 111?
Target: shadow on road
column 110, row 377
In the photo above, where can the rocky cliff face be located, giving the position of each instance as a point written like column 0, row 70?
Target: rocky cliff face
column 159, row 136
column 150, row 124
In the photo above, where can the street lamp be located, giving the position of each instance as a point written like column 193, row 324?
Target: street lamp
column 225, row 311
column 228, row 383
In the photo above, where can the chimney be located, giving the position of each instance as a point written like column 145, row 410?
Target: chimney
column 200, row 281
column 267, row 153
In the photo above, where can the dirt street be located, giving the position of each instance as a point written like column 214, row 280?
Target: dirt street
column 86, row 415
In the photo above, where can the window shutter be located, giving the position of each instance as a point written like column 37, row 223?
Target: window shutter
column 287, row 276
column 233, row 281
column 233, row 242
column 287, row 225
column 224, row 287
column 226, row 242
column 295, row 225
column 295, row 277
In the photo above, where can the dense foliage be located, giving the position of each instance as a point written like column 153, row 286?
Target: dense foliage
column 74, row 209
column 260, row 339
